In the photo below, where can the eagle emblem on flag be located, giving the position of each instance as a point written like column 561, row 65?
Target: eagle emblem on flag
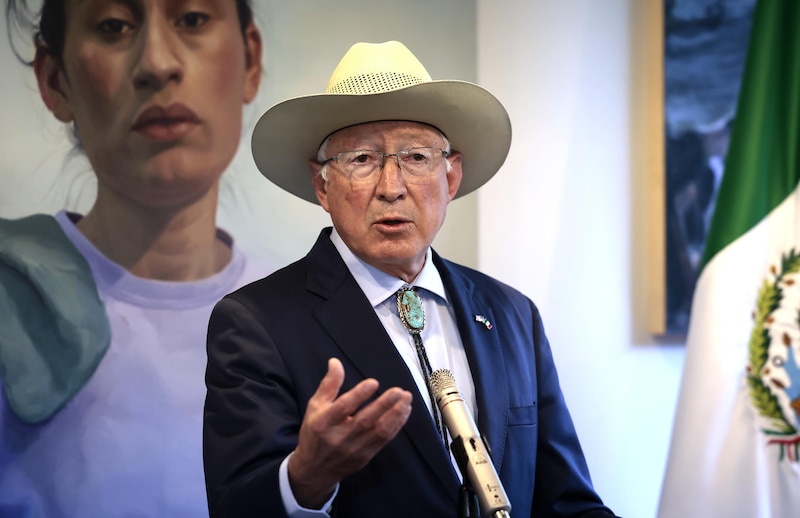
column 773, row 374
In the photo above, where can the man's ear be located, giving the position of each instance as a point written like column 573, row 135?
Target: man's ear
column 52, row 84
column 319, row 183
column 252, row 76
column 454, row 175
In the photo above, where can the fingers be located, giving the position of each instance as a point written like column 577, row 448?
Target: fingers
column 340, row 407
column 345, row 417
column 348, row 403
column 340, row 434
column 385, row 416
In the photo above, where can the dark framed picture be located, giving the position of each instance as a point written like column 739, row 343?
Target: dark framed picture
column 705, row 44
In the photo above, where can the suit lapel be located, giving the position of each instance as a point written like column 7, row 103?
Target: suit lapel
column 484, row 354
column 349, row 319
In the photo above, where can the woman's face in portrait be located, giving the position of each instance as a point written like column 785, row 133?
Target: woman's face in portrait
column 155, row 89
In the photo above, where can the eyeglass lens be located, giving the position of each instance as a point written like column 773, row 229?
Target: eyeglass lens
column 420, row 161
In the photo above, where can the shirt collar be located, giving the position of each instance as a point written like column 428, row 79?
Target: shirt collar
column 378, row 285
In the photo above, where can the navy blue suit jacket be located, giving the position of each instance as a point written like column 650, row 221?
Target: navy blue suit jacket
column 268, row 346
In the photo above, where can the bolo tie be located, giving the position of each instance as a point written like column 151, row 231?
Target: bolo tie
column 412, row 314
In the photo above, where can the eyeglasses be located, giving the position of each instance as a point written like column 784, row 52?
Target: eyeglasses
column 417, row 162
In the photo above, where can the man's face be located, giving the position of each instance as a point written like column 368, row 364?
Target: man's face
column 389, row 219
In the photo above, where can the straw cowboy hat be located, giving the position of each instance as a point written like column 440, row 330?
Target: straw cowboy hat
column 375, row 82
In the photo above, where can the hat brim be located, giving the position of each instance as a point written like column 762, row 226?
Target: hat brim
column 289, row 134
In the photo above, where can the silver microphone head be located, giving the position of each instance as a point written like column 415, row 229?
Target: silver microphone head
column 442, row 383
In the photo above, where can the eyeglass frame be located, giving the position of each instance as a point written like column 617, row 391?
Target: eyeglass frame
column 335, row 158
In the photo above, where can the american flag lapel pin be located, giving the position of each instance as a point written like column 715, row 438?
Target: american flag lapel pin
column 483, row 320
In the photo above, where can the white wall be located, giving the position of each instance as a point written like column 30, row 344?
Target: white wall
column 565, row 222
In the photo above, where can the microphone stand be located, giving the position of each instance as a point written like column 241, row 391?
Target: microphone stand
column 468, row 506
column 467, row 502
column 467, row 499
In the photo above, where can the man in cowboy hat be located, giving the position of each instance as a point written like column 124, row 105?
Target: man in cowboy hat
column 295, row 419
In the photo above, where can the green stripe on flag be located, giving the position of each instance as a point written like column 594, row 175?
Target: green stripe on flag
column 762, row 167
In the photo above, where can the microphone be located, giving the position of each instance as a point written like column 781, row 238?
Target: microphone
column 469, row 449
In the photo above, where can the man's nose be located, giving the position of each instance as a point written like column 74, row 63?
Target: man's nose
column 391, row 183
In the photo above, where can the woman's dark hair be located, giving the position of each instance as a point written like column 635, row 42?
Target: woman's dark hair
column 49, row 32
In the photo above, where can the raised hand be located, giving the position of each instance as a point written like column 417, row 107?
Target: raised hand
column 338, row 436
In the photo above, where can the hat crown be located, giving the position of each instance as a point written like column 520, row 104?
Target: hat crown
column 374, row 68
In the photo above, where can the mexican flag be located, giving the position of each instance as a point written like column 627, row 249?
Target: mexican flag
column 735, row 448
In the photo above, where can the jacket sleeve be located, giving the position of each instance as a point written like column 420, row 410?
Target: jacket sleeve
column 250, row 421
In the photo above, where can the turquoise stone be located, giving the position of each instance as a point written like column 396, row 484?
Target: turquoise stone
column 411, row 310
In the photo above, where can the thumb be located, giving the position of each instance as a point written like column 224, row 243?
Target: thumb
column 330, row 385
